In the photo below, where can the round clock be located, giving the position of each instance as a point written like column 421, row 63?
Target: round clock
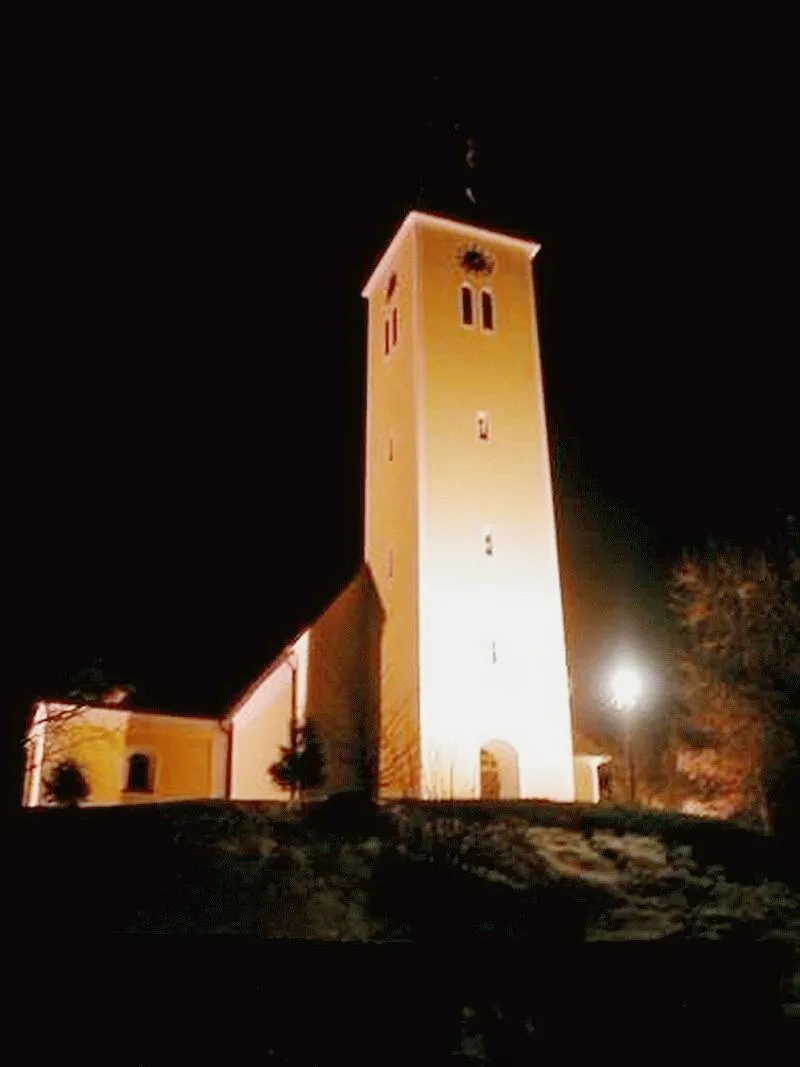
column 475, row 260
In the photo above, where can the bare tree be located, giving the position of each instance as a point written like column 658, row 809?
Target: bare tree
column 62, row 727
column 395, row 753
column 738, row 675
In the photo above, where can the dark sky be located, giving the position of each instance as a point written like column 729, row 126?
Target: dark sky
column 184, row 393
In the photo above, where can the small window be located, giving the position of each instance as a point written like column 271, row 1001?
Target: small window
column 390, row 450
column 484, row 426
column 487, row 310
column 494, row 652
column 390, row 288
column 467, row 317
column 394, row 327
column 389, row 563
column 386, row 337
column 487, row 535
column 140, row 773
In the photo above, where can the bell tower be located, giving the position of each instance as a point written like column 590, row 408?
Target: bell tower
column 459, row 521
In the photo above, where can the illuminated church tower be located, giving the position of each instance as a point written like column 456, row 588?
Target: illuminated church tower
column 459, row 521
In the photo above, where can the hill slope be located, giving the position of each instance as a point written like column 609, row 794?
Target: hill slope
column 535, row 878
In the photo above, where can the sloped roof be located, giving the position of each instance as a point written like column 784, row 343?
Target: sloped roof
column 360, row 574
column 464, row 230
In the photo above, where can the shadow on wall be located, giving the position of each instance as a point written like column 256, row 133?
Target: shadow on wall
column 342, row 686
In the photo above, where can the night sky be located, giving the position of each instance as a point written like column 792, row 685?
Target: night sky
column 184, row 396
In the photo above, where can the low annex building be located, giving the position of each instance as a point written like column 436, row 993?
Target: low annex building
column 130, row 755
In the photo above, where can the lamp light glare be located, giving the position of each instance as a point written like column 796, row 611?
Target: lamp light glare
column 626, row 688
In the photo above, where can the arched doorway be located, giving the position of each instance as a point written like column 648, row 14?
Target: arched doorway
column 499, row 771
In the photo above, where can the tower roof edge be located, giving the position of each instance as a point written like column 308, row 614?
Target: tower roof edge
column 462, row 229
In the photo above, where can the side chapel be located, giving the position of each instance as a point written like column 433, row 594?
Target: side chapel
column 440, row 670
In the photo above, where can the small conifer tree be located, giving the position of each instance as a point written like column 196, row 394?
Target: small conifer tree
column 301, row 766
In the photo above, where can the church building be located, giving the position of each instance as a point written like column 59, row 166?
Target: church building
column 440, row 670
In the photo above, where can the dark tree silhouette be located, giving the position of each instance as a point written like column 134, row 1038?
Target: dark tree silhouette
column 67, row 785
column 301, row 766
column 94, row 684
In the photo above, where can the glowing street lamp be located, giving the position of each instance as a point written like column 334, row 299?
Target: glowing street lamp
column 626, row 692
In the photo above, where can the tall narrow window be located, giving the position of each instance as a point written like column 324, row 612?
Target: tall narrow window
column 484, row 426
column 467, row 317
column 390, row 449
column 487, row 310
column 487, row 535
column 394, row 326
column 386, row 337
column 140, row 773
column 389, row 563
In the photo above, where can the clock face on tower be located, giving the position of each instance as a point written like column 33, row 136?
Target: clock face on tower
column 475, row 260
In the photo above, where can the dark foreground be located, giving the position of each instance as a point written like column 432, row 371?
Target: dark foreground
column 151, row 1001
column 468, row 970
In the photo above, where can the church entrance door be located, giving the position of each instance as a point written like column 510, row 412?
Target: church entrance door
column 499, row 771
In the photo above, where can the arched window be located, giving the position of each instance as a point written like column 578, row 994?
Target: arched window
column 467, row 315
column 487, row 310
column 140, row 773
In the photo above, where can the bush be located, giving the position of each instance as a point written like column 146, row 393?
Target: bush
column 67, row 785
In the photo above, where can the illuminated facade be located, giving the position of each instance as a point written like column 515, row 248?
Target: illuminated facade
column 459, row 520
column 440, row 670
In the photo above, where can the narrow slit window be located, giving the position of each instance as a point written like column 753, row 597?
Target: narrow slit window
column 386, row 337
column 484, row 426
column 390, row 563
column 487, row 310
column 487, row 535
column 394, row 326
column 467, row 317
column 390, row 450
column 140, row 773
